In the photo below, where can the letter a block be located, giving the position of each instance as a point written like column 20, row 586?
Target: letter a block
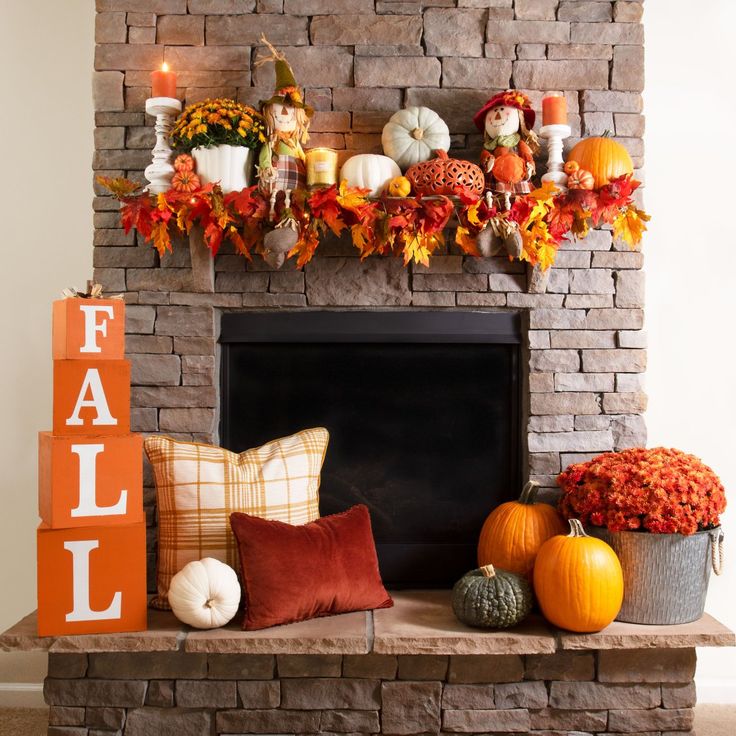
column 88, row 329
column 91, row 580
column 91, row 397
column 88, row 481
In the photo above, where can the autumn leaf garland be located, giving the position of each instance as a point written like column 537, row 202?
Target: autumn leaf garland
column 412, row 227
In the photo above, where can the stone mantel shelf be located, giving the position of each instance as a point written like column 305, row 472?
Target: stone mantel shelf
column 421, row 622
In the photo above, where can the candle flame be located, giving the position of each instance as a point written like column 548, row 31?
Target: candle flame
column 164, row 67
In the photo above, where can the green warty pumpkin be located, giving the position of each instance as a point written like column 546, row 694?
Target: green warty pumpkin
column 490, row 598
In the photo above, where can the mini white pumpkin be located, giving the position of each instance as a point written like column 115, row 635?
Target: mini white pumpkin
column 412, row 134
column 369, row 171
column 205, row 594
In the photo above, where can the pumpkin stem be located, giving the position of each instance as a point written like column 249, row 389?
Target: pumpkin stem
column 441, row 153
column 208, row 603
column 417, row 134
column 576, row 528
column 607, row 134
column 529, row 493
column 488, row 571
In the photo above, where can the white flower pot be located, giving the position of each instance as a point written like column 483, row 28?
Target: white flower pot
column 232, row 166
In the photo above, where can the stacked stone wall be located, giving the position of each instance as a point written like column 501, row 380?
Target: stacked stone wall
column 644, row 692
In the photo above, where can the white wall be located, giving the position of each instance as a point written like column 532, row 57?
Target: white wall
column 47, row 219
column 691, row 263
column 46, row 51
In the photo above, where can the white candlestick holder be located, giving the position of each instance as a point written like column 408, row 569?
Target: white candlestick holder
column 555, row 135
column 160, row 171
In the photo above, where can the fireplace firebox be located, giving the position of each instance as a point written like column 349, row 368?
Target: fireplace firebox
column 423, row 410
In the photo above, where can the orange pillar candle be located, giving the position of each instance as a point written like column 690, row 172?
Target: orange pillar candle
column 163, row 82
column 554, row 109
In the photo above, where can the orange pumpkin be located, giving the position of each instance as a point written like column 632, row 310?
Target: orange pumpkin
column 185, row 181
column 578, row 581
column 605, row 158
column 570, row 167
column 184, row 162
column 514, row 531
column 580, row 179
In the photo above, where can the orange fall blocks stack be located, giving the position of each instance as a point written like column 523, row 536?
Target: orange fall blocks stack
column 92, row 536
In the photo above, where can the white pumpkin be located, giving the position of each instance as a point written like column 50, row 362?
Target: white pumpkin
column 205, row 594
column 412, row 134
column 369, row 171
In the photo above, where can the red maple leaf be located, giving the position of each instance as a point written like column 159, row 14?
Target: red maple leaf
column 324, row 205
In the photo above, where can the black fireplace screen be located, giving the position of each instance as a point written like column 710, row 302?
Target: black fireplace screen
column 423, row 414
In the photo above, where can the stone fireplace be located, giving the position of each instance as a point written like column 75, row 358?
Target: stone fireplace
column 583, row 349
column 579, row 353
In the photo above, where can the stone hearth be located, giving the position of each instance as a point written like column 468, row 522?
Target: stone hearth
column 410, row 669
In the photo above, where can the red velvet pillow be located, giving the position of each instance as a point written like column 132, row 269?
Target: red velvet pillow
column 293, row 573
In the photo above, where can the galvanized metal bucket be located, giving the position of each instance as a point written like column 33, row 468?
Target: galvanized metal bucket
column 665, row 575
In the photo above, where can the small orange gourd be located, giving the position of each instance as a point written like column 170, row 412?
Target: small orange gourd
column 514, row 531
column 604, row 157
column 184, row 162
column 580, row 179
column 570, row 167
column 578, row 581
column 185, row 181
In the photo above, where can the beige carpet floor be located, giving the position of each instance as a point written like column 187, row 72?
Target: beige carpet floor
column 710, row 720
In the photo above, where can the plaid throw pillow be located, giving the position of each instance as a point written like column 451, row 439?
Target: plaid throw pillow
column 199, row 486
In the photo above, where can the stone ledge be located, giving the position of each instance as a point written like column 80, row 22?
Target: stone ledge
column 421, row 622
column 343, row 634
column 164, row 634
column 705, row 632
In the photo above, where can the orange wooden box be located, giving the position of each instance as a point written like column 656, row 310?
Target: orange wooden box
column 88, row 481
column 91, row 397
column 91, row 580
column 88, row 329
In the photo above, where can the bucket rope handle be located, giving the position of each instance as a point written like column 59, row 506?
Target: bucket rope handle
column 716, row 551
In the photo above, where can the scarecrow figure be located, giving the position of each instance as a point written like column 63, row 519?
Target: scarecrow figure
column 507, row 158
column 281, row 167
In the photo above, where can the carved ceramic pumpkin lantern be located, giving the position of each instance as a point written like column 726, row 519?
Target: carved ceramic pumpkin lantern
column 445, row 176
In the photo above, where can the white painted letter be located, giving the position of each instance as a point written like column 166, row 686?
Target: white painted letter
column 92, row 383
column 87, row 485
column 80, row 582
column 92, row 327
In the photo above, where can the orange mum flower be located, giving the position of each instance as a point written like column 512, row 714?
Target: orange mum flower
column 660, row 490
